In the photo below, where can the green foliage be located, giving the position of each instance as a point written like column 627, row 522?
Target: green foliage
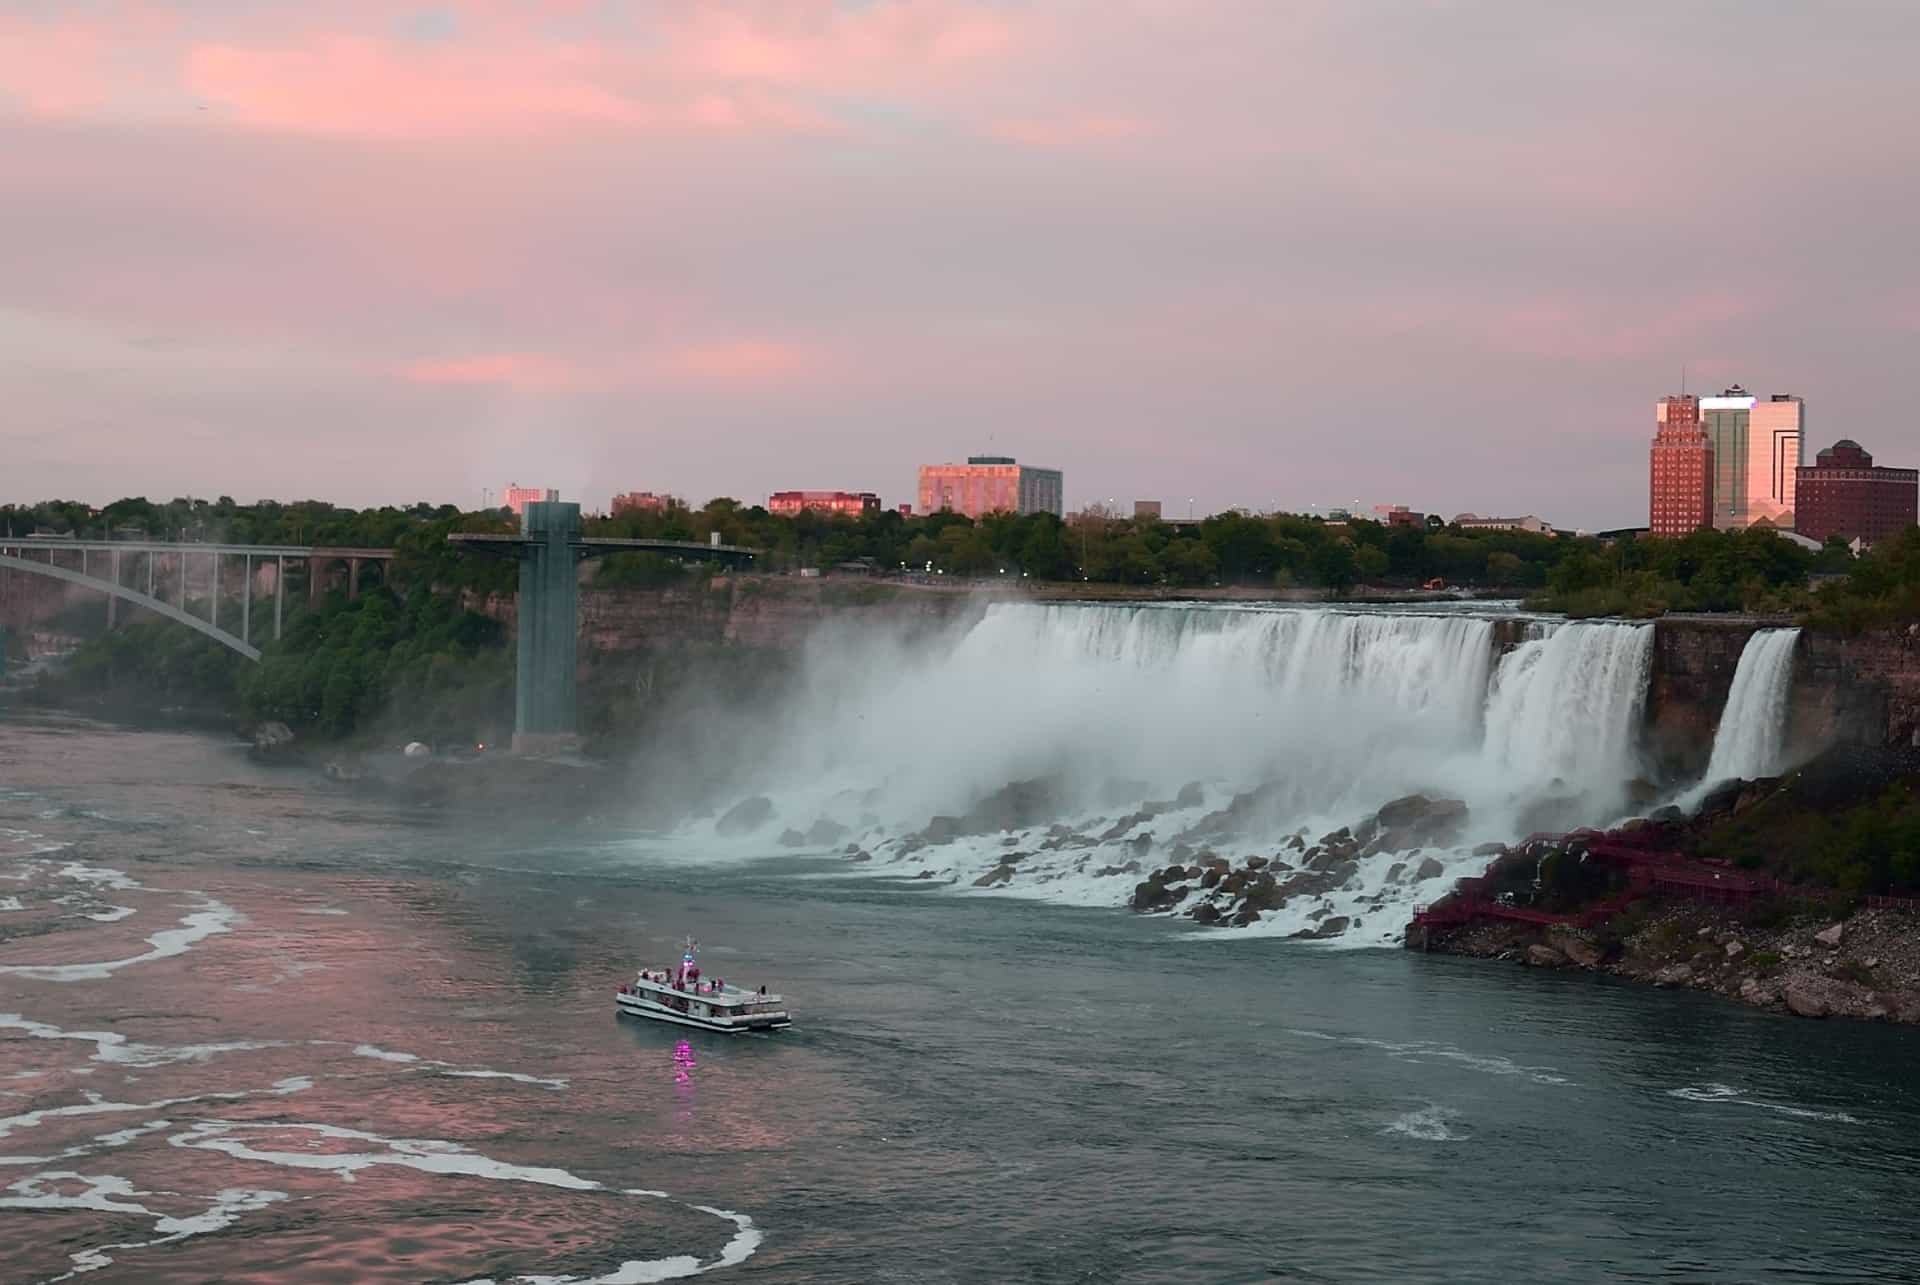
column 421, row 665
column 1753, row 570
column 155, row 664
column 1870, row 847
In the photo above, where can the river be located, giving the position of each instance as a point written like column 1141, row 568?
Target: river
column 257, row 1027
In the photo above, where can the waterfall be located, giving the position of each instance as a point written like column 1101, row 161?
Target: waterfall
column 1058, row 751
column 1565, row 707
column 1753, row 726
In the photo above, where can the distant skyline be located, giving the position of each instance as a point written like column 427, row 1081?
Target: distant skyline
column 1256, row 252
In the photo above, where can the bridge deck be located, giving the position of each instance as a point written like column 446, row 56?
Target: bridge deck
column 38, row 543
column 610, row 544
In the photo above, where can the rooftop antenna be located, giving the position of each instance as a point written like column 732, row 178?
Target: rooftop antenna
column 1683, row 379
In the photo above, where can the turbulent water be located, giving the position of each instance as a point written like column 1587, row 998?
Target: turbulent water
column 256, row 1027
column 1144, row 723
column 1753, row 727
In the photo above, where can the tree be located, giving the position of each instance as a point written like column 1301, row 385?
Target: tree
column 1333, row 565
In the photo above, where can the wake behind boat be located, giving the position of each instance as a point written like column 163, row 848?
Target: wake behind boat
column 682, row 996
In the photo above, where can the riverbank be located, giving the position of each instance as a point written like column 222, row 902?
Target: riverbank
column 1864, row 966
column 1794, row 895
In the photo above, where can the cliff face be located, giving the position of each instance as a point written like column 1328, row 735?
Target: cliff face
column 1693, row 665
column 1846, row 690
column 776, row 613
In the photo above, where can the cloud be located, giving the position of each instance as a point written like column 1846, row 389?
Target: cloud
column 507, row 369
column 1070, row 131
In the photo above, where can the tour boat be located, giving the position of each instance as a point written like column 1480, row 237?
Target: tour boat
column 682, row 996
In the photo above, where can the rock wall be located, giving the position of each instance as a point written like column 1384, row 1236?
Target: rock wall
column 1862, row 690
column 1692, row 670
column 774, row 612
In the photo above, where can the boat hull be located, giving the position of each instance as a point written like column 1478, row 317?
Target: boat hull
column 636, row 1006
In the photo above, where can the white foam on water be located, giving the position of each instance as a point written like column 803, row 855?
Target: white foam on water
column 110, row 1194
column 323, row 910
column 11, row 903
column 543, row 1081
column 115, row 1048
column 254, row 1141
column 99, row 876
column 208, row 918
column 415, row 1061
column 1427, row 1051
column 1428, row 1124
column 111, row 915
column 1728, row 1095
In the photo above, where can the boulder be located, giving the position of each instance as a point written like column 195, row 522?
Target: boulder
column 1735, row 949
column 1191, row 795
column 414, row 750
column 1831, row 936
column 1539, row 956
column 941, row 830
column 1012, row 807
column 859, row 854
column 1206, row 913
column 1429, row 869
column 1256, row 863
column 1327, row 928
column 1491, row 850
column 1673, row 975
column 1576, row 948
column 1142, row 844
column 1131, row 868
column 995, row 877
column 745, row 816
column 825, row 832
column 1211, row 878
column 1246, row 915
column 1755, row 991
column 1804, row 1000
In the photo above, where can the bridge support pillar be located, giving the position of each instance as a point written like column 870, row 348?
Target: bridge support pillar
column 113, row 599
column 313, row 582
column 353, row 579
column 279, row 593
column 545, row 714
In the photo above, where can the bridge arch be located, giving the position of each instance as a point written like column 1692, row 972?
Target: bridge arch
column 134, row 596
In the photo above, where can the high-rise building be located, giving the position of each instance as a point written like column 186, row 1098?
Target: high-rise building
column 1775, row 431
column 991, row 484
column 1727, row 421
column 641, row 502
column 1844, row 494
column 516, row 497
column 851, row 503
column 1681, row 471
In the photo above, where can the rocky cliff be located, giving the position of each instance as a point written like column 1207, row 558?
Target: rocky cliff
column 775, row 612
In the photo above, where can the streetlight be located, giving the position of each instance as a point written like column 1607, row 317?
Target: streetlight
column 1189, row 508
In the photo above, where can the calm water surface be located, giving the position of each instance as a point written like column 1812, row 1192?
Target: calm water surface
column 254, row 1027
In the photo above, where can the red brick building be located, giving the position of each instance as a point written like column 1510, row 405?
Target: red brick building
column 1680, row 482
column 641, row 502
column 789, row 504
column 1844, row 494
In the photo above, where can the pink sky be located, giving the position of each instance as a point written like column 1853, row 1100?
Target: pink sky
column 1255, row 252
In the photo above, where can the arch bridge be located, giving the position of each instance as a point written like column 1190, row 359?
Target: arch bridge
column 120, row 568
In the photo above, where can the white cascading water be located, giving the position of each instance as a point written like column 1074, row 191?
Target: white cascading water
column 1120, row 709
column 1753, row 726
